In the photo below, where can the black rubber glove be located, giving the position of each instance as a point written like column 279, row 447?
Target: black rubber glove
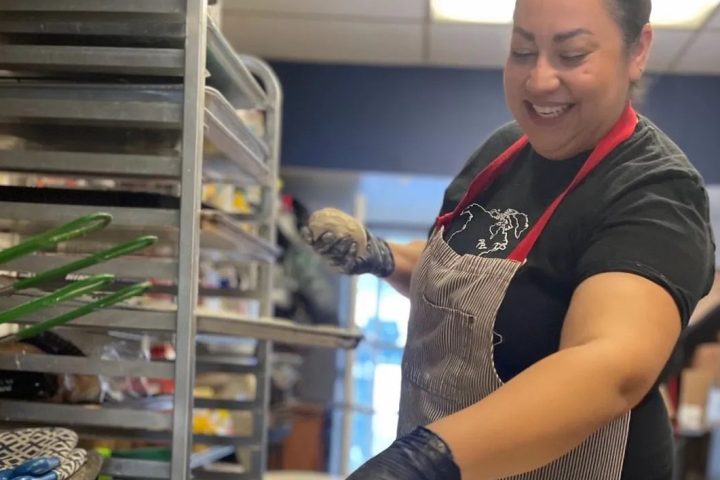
column 341, row 252
column 420, row 455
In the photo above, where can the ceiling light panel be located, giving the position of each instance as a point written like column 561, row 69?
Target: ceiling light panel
column 666, row 13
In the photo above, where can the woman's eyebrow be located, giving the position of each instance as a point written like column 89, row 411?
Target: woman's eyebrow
column 565, row 36
column 558, row 38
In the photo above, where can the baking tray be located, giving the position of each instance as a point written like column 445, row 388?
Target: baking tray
column 93, row 59
column 213, row 326
column 243, row 154
column 102, row 43
column 220, row 233
column 229, row 74
column 58, row 27
column 27, row 210
column 31, row 108
column 158, row 106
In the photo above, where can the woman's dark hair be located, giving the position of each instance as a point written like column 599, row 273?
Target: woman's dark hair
column 632, row 16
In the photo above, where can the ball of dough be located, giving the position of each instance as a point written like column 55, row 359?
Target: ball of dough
column 339, row 223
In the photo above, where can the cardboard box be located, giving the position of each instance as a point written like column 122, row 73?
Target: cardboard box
column 696, row 384
column 699, row 407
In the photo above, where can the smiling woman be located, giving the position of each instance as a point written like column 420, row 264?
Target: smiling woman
column 567, row 85
column 568, row 255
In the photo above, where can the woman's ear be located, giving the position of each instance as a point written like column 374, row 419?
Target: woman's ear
column 639, row 54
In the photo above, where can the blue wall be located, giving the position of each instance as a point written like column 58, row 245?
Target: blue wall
column 688, row 109
column 429, row 120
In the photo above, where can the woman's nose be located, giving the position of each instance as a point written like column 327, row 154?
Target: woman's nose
column 543, row 78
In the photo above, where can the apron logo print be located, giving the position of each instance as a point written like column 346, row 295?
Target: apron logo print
column 503, row 224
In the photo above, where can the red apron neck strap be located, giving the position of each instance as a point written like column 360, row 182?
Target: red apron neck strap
column 621, row 131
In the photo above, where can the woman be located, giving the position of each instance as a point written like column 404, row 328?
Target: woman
column 568, row 255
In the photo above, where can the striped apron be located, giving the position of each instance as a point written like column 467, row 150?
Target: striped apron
column 448, row 363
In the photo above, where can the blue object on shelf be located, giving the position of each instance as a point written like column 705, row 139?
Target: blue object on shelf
column 47, row 476
column 34, row 469
column 37, row 466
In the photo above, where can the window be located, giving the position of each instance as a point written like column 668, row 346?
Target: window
column 382, row 314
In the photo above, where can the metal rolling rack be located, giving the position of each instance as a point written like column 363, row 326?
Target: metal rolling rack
column 69, row 54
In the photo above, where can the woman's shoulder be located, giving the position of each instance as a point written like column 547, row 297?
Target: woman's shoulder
column 651, row 155
column 647, row 164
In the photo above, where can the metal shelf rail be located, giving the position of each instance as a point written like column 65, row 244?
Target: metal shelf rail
column 101, row 55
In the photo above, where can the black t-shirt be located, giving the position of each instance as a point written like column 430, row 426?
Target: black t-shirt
column 643, row 210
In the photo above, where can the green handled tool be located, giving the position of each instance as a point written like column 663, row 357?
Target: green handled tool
column 94, row 259
column 74, row 290
column 112, row 299
column 76, row 228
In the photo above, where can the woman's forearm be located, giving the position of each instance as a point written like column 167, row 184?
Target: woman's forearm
column 540, row 415
column 406, row 257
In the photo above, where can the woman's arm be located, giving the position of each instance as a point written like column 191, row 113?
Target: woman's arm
column 406, row 257
column 619, row 333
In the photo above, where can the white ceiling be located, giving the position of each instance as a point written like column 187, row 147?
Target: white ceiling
column 400, row 32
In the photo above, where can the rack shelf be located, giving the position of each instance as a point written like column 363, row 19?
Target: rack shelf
column 209, row 324
column 211, row 455
column 230, row 75
column 161, row 470
column 92, row 416
column 80, row 365
column 239, row 156
column 126, row 61
column 227, row 72
column 219, row 233
column 126, row 468
column 277, row 330
column 83, row 164
column 127, row 268
column 92, row 104
column 40, row 214
column 101, row 6
column 128, row 318
column 244, row 155
column 130, row 24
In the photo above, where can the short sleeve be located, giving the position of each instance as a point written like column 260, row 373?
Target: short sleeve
column 660, row 231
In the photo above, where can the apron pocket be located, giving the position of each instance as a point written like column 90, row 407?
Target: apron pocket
column 436, row 352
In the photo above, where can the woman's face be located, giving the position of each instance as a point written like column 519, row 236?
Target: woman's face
column 568, row 76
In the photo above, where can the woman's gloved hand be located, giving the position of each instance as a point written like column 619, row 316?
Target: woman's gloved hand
column 420, row 455
column 347, row 244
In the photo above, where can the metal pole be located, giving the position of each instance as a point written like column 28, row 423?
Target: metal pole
column 189, row 236
column 273, row 114
column 350, row 358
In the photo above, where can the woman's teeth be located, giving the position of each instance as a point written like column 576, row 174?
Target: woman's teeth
column 551, row 112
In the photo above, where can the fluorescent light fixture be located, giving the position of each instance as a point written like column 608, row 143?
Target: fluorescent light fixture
column 685, row 13
column 666, row 13
column 473, row 11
